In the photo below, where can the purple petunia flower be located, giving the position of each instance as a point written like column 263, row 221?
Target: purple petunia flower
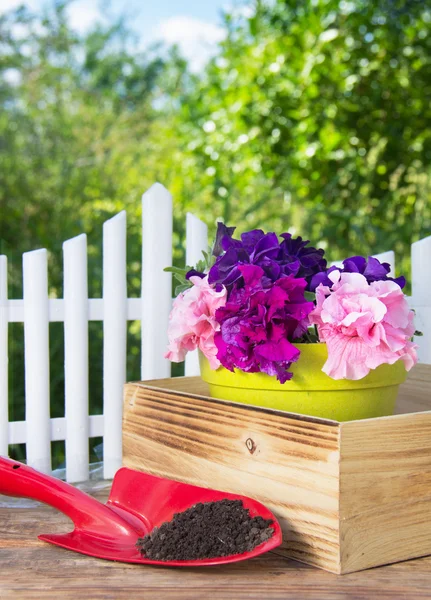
column 194, row 273
column 222, row 230
column 372, row 269
column 259, row 322
column 290, row 257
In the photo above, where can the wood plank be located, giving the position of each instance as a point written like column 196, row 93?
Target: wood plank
column 47, row 574
column 194, row 387
column 289, row 464
column 385, row 490
column 414, row 395
column 33, row 570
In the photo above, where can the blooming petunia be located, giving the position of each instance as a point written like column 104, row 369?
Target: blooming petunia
column 371, row 268
column 363, row 324
column 259, row 321
column 192, row 322
column 291, row 256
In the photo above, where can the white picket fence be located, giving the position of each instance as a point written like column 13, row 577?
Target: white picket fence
column 36, row 310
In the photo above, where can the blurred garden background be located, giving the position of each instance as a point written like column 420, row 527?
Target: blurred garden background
column 308, row 116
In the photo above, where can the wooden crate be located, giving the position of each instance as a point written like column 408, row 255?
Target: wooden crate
column 349, row 496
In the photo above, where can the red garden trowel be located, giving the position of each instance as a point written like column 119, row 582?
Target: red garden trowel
column 138, row 502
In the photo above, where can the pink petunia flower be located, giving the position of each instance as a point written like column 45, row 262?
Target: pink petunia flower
column 192, row 322
column 363, row 324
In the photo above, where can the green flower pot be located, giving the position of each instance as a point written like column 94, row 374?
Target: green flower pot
column 310, row 391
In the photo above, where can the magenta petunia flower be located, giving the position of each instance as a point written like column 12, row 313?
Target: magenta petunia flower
column 259, row 322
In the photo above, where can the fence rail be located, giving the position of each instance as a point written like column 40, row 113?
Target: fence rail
column 36, row 310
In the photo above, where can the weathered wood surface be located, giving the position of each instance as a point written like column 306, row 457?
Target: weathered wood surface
column 33, row 570
column 385, row 490
column 385, row 481
column 348, row 496
column 288, row 464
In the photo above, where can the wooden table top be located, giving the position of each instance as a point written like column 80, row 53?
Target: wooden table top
column 32, row 569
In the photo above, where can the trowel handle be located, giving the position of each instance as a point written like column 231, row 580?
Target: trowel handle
column 17, row 479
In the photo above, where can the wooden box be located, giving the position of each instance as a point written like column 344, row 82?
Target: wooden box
column 349, row 496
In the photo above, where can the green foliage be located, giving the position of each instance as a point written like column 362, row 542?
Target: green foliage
column 313, row 118
column 179, row 273
column 180, row 276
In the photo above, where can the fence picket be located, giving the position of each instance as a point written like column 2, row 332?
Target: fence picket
column 156, row 285
column 114, row 339
column 421, row 295
column 4, row 413
column 36, row 353
column 196, row 241
column 76, row 357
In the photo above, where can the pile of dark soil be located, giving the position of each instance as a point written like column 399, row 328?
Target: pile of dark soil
column 207, row 530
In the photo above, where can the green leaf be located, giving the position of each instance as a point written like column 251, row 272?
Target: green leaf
column 180, row 278
column 177, row 270
column 418, row 333
column 310, row 296
column 182, row 288
column 201, row 266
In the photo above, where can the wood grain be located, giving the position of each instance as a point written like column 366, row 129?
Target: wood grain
column 33, row 570
column 291, row 465
column 385, row 490
column 385, row 481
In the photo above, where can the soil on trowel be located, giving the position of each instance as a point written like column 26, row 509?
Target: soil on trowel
column 206, row 530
